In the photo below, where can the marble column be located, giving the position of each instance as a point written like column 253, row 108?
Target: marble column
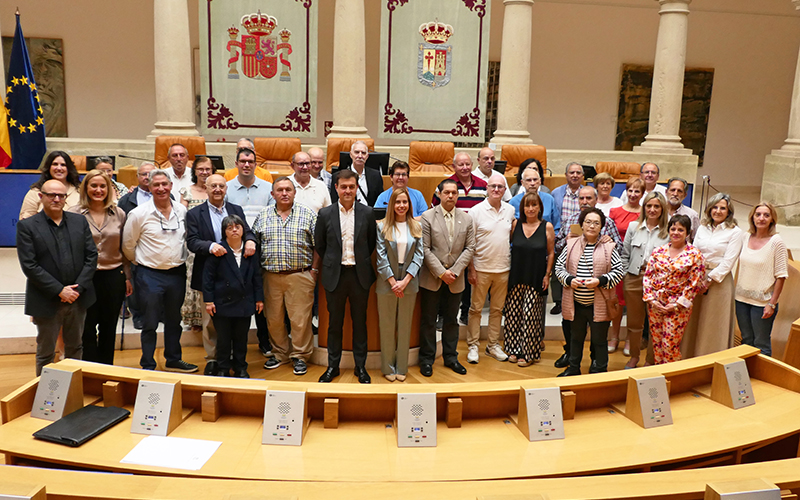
column 669, row 67
column 515, row 74
column 173, row 69
column 791, row 147
column 349, row 70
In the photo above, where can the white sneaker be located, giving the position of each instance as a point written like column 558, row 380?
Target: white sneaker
column 472, row 355
column 496, row 352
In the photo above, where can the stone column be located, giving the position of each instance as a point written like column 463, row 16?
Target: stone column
column 669, row 67
column 173, row 65
column 791, row 147
column 349, row 70
column 515, row 74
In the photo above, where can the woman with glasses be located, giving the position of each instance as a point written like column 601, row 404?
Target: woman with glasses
column 589, row 269
column 58, row 165
column 719, row 239
column 112, row 278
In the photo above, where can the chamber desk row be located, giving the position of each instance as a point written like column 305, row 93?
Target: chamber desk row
column 485, row 445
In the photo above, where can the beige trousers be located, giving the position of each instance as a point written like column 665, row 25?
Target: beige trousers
column 291, row 294
column 495, row 284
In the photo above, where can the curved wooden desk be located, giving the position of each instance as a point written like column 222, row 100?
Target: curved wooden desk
column 487, row 446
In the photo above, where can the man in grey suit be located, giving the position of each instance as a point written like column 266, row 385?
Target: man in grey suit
column 448, row 240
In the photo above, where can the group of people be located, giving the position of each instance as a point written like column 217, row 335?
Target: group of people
column 211, row 250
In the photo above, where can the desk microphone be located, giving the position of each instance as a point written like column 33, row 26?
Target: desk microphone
column 137, row 158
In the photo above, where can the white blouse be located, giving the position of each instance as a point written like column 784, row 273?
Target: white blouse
column 401, row 238
column 720, row 247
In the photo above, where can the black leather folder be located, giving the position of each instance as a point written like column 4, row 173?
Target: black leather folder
column 82, row 425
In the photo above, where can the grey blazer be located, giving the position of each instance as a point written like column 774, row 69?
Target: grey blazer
column 633, row 247
column 440, row 255
column 388, row 265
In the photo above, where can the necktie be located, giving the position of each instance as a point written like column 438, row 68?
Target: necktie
column 448, row 218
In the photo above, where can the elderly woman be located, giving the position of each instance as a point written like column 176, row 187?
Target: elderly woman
column 604, row 183
column 112, row 277
column 642, row 237
column 589, row 269
column 59, row 166
column 673, row 278
column 105, row 164
column 719, row 239
column 762, row 273
column 400, row 254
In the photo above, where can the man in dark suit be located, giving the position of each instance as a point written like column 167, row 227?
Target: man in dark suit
column 58, row 256
column 369, row 183
column 203, row 238
column 345, row 238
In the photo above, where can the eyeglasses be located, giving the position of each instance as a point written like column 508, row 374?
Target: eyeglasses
column 55, row 196
column 161, row 220
column 303, row 163
column 591, row 223
column 496, row 186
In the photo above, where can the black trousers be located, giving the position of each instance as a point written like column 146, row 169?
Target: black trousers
column 584, row 315
column 100, row 325
column 231, row 337
column 466, row 296
column 430, row 304
column 348, row 288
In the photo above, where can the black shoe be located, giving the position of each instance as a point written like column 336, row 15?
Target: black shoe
column 329, row 374
column 212, row 367
column 266, row 351
column 272, row 363
column 440, row 323
column 300, row 367
column 180, row 366
column 562, row 362
column 363, row 376
column 457, row 367
column 138, row 324
column 569, row 372
column 223, row 373
column 241, row 373
column 463, row 319
column 595, row 369
column 556, row 308
column 426, row 370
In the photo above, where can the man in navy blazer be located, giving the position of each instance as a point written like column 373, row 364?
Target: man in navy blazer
column 345, row 238
column 58, row 256
column 203, row 238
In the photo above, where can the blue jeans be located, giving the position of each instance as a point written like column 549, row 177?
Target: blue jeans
column 755, row 331
column 160, row 293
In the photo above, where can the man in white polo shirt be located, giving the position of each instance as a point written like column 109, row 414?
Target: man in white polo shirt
column 308, row 190
column 488, row 272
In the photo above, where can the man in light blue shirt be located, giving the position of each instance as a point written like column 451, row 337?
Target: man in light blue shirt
column 399, row 173
column 532, row 181
column 247, row 190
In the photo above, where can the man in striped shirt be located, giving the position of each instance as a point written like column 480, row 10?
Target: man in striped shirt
column 567, row 206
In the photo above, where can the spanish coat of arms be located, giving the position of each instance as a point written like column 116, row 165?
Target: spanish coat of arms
column 435, row 60
column 260, row 49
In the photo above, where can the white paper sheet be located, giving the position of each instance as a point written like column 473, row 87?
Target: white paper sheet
column 176, row 453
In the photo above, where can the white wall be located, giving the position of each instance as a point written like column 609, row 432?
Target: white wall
column 579, row 47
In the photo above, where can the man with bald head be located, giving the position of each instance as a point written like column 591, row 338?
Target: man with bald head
column 261, row 173
column 471, row 188
column 369, row 181
column 318, row 166
column 141, row 193
column 58, row 256
column 308, row 191
column 486, row 169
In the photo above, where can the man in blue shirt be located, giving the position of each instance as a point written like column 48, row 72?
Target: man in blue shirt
column 399, row 173
column 531, row 182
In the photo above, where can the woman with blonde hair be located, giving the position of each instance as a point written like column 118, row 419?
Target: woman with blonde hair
column 604, row 183
column 399, row 249
column 112, row 277
column 762, row 273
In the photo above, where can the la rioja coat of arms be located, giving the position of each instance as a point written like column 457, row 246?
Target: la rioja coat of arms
column 435, row 60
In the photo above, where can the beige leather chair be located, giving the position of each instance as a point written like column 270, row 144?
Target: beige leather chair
column 515, row 154
column 431, row 156
column 338, row 144
column 275, row 153
column 194, row 145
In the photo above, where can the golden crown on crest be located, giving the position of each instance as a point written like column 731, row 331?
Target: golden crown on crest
column 259, row 24
column 435, row 32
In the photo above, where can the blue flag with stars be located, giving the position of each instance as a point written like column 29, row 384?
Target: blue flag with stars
column 25, row 116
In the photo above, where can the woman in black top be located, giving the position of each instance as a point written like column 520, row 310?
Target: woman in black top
column 532, row 242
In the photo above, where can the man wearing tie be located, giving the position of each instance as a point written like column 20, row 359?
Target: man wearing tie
column 448, row 241
column 345, row 237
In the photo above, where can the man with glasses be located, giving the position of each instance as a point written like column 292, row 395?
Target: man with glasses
column 531, row 181
column 649, row 173
column 155, row 239
column 58, row 256
column 399, row 174
column 261, row 173
column 369, row 181
column 204, row 237
column 308, row 190
column 318, row 166
column 488, row 271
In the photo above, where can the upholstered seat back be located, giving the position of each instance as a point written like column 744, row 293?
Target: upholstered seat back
column 431, row 156
column 338, row 144
column 515, row 154
column 194, row 145
column 619, row 170
column 276, row 152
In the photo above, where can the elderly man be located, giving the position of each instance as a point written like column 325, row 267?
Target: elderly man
column 180, row 176
column 345, row 237
column 203, row 238
column 285, row 232
column 448, row 240
column 141, row 193
column 252, row 194
column 530, row 183
column 261, row 173
column 676, row 192
column 488, row 272
column 485, row 169
column 318, row 166
column 567, row 206
column 399, row 173
column 308, row 190
column 649, row 173
column 58, row 257
column 154, row 238
column 369, row 181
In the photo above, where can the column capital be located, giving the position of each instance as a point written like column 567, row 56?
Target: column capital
column 796, row 4
column 674, row 6
column 528, row 2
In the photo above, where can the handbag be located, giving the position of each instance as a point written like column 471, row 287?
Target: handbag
column 612, row 304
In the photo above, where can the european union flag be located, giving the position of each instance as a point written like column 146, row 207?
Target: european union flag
column 25, row 116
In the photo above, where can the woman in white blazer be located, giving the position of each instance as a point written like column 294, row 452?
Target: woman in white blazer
column 400, row 256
